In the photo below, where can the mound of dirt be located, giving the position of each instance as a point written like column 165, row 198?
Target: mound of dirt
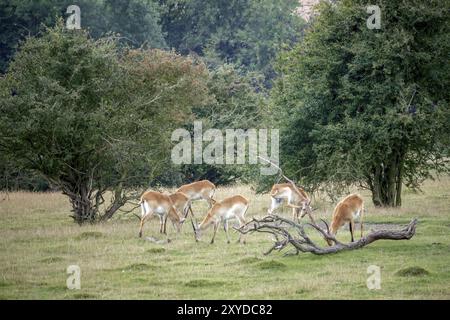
column 412, row 272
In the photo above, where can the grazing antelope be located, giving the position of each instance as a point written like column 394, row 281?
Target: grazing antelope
column 181, row 202
column 222, row 211
column 199, row 190
column 160, row 204
column 348, row 209
column 298, row 200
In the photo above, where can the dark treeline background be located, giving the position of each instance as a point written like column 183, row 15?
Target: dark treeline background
column 91, row 111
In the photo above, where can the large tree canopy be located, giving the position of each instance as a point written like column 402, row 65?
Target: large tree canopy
column 90, row 120
column 366, row 106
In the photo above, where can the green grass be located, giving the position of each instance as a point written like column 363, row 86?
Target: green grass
column 272, row 265
column 39, row 241
column 412, row 272
column 90, row 235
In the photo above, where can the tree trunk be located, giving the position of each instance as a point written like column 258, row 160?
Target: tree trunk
column 117, row 203
column 87, row 200
column 376, row 187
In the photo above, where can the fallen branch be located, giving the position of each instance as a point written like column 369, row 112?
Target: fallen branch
column 287, row 232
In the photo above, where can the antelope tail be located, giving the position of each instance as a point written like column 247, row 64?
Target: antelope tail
column 143, row 211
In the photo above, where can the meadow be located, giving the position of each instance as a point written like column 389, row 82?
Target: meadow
column 39, row 241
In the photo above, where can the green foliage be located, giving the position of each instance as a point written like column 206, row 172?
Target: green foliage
column 248, row 33
column 19, row 19
column 234, row 103
column 136, row 21
column 367, row 107
column 13, row 178
column 89, row 120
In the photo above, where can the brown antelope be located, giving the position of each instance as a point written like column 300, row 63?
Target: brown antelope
column 222, row 211
column 348, row 209
column 160, row 204
column 296, row 198
column 181, row 202
column 199, row 190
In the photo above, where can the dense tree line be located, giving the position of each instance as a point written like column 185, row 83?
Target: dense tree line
column 248, row 33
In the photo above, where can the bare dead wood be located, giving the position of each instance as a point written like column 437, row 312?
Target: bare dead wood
column 289, row 233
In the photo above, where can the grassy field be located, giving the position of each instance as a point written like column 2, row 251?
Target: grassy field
column 39, row 241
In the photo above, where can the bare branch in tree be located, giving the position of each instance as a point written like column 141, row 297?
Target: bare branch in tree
column 281, row 171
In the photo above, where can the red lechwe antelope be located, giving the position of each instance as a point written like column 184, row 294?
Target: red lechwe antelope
column 348, row 209
column 298, row 200
column 181, row 202
column 182, row 205
column 160, row 204
column 222, row 211
column 199, row 190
